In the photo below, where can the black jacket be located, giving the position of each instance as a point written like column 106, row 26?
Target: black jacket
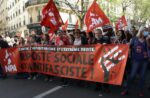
column 3, row 44
column 103, row 39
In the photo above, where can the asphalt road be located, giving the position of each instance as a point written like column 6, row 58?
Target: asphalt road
column 23, row 88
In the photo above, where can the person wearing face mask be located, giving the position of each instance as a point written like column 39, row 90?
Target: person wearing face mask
column 146, row 32
column 139, row 57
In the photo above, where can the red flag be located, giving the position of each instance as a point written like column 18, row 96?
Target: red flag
column 121, row 23
column 65, row 26
column 95, row 17
column 51, row 31
column 51, row 34
column 51, row 16
column 76, row 26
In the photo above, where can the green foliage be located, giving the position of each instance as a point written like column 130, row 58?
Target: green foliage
column 142, row 10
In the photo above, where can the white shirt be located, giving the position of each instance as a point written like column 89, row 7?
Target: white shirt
column 77, row 41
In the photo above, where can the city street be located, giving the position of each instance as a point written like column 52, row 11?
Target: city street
column 23, row 88
column 70, row 48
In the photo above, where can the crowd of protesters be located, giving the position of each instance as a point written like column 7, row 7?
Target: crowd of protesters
column 137, row 38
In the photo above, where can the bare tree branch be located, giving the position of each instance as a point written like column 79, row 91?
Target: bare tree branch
column 72, row 8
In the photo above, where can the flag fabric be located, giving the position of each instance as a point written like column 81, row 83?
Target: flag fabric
column 65, row 26
column 51, row 17
column 95, row 17
column 76, row 25
column 106, row 64
column 121, row 23
column 51, row 34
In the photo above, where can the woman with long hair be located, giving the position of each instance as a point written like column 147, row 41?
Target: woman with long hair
column 139, row 57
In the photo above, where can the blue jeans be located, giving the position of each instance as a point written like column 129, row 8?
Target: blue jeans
column 137, row 67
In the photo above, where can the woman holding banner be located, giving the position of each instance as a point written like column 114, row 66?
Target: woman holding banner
column 31, row 42
column 139, row 57
column 101, row 39
column 46, row 41
column 79, row 39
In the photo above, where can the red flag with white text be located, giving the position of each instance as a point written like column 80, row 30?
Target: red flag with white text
column 51, row 17
column 121, row 23
column 95, row 17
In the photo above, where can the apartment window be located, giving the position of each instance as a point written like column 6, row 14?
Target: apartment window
column 13, row 15
column 19, row 11
column 16, row 13
column 39, row 16
column 20, row 24
column 31, row 20
column 23, row 8
column 7, row 18
column 13, row 4
column 24, row 22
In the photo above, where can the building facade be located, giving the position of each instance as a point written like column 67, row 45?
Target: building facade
column 3, row 16
column 34, row 8
column 23, row 16
column 18, row 17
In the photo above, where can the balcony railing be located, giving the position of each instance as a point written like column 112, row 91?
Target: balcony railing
column 35, row 2
column 59, row 3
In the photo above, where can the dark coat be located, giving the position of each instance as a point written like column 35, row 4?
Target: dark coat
column 103, row 39
column 3, row 44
